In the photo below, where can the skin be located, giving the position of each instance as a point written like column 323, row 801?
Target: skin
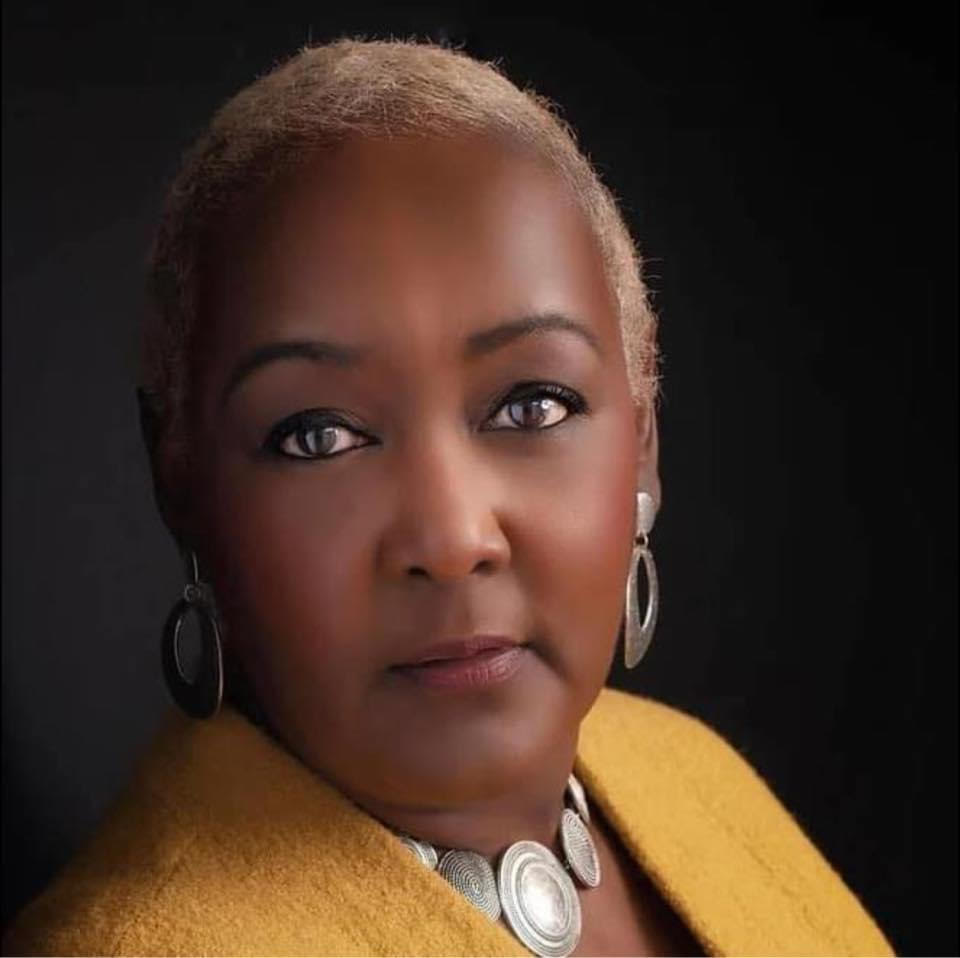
column 447, row 509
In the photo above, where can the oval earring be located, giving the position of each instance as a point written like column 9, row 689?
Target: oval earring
column 637, row 631
column 199, row 697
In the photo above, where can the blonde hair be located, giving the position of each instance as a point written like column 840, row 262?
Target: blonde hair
column 374, row 89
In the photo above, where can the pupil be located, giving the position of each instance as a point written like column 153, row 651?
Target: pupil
column 309, row 442
column 536, row 404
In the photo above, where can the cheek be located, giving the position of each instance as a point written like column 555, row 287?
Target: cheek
column 291, row 570
column 293, row 555
column 579, row 548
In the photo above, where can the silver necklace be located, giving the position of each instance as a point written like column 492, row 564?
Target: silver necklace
column 530, row 888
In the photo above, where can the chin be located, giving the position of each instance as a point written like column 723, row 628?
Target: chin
column 472, row 755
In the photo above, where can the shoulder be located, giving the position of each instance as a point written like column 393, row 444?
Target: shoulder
column 617, row 711
column 118, row 870
column 224, row 843
column 162, row 848
column 112, row 878
column 653, row 732
column 706, row 822
column 677, row 756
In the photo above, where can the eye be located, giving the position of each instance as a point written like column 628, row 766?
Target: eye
column 315, row 434
column 541, row 406
column 309, row 435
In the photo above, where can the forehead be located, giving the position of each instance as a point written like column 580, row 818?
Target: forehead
column 405, row 244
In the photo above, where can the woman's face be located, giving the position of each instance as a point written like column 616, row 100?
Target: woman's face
column 354, row 506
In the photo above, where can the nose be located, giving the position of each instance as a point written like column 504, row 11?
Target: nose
column 445, row 519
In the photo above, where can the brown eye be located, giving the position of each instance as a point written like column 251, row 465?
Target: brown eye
column 540, row 408
column 535, row 413
column 308, row 436
column 310, row 442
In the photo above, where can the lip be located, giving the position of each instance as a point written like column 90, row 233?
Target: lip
column 459, row 648
column 471, row 663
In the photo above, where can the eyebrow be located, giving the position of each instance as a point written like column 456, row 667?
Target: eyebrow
column 344, row 356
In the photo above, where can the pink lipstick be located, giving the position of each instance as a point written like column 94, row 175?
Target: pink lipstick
column 471, row 663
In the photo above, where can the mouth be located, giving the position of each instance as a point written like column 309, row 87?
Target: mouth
column 471, row 663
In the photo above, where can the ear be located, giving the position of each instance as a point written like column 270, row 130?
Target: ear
column 167, row 468
column 648, row 450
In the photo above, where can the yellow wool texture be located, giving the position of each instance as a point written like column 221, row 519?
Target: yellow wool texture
column 225, row 844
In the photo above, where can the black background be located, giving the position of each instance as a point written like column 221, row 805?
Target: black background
column 791, row 177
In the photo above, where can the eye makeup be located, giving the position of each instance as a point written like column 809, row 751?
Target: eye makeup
column 299, row 436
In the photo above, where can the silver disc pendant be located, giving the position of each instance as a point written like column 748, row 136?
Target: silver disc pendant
column 579, row 797
column 423, row 850
column 578, row 846
column 539, row 899
column 470, row 873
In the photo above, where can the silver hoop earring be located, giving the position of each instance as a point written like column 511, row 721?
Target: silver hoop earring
column 200, row 696
column 637, row 632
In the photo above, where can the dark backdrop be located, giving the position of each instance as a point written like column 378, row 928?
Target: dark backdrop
column 791, row 178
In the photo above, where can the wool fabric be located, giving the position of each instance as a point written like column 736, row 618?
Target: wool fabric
column 226, row 844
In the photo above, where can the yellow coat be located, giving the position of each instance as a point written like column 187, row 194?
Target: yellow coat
column 225, row 844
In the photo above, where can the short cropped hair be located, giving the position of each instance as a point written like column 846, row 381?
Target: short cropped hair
column 319, row 98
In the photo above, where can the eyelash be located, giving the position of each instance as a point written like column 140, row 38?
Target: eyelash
column 315, row 420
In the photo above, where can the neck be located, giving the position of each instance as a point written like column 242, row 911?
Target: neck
column 488, row 825
column 528, row 812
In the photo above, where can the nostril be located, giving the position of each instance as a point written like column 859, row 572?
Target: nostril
column 484, row 565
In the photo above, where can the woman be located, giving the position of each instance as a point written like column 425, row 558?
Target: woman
column 399, row 397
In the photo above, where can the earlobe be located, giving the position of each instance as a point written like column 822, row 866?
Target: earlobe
column 149, row 412
column 648, row 451
column 168, row 487
column 646, row 423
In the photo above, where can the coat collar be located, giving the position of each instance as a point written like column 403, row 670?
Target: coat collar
column 274, row 813
column 235, row 817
